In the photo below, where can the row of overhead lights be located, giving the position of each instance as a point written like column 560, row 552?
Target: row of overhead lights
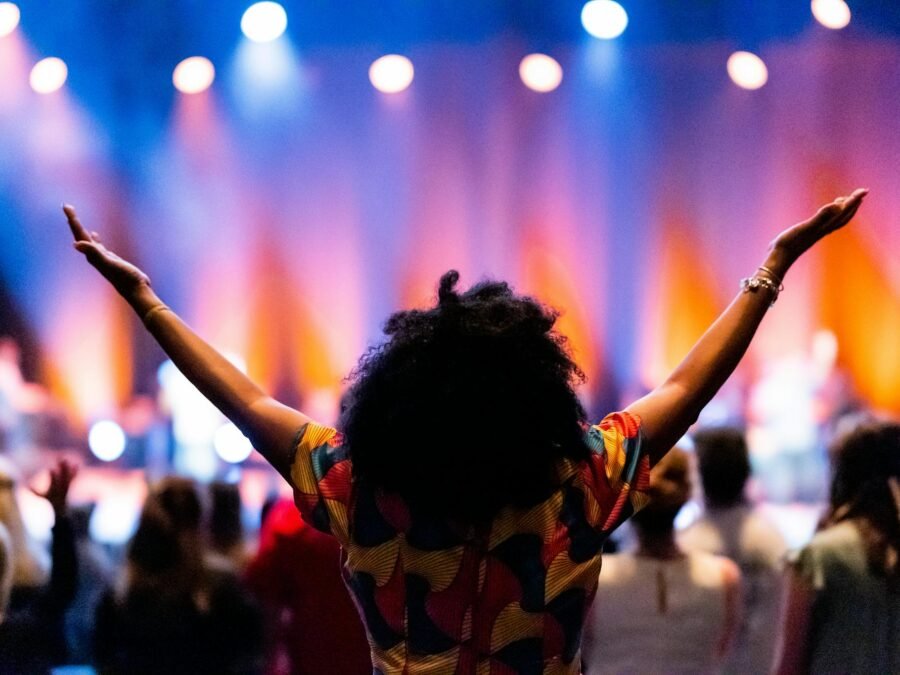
column 267, row 21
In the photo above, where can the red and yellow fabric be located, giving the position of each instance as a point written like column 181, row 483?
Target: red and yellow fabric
column 440, row 598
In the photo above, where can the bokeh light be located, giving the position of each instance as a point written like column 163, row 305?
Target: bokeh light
column 106, row 440
column 604, row 19
column 264, row 21
column 231, row 445
column 193, row 75
column 391, row 74
column 834, row 14
column 540, row 72
column 48, row 75
column 747, row 70
column 9, row 18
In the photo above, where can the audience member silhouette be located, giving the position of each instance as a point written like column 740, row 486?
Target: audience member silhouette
column 732, row 527
column 172, row 613
column 296, row 576
column 663, row 609
column 842, row 610
column 32, row 637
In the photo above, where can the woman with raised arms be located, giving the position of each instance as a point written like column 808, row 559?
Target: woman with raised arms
column 467, row 489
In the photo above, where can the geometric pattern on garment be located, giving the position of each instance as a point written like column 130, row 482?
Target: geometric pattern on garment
column 437, row 597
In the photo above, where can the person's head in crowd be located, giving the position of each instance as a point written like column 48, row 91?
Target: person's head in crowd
column 865, row 488
column 30, row 565
column 165, row 549
column 487, row 363
column 225, row 526
column 670, row 489
column 179, row 498
column 724, row 464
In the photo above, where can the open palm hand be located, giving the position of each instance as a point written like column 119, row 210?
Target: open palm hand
column 123, row 275
column 796, row 240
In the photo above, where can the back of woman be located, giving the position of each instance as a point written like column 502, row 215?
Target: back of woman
column 469, row 497
column 508, row 596
column 855, row 611
column 843, row 609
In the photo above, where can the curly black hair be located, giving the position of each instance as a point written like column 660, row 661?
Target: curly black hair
column 468, row 406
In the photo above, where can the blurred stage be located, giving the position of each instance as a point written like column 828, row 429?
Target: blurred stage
column 288, row 208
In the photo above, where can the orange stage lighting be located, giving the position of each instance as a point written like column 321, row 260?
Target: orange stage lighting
column 858, row 303
column 681, row 304
column 553, row 278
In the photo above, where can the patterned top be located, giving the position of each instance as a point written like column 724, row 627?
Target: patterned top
column 508, row 599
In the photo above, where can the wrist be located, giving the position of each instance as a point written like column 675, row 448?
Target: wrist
column 142, row 299
column 778, row 261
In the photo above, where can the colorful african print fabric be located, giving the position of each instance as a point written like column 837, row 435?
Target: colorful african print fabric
column 438, row 598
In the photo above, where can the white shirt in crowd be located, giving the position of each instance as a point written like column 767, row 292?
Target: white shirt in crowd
column 756, row 545
column 662, row 616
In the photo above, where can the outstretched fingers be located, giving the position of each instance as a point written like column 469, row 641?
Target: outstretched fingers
column 849, row 207
column 78, row 230
column 94, row 252
column 839, row 212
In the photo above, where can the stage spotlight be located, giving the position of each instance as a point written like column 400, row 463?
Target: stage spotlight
column 231, row 445
column 48, row 75
column 9, row 18
column 264, row 21
column 833, row 14
column 604, row 19
column 747, row 70
column 391, row 74
column 193, row 75
column 540, row 72
column 106, row 440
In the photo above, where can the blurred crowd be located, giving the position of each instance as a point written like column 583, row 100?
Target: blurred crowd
column 195, row 594
column 197, row 590
column 192, row 595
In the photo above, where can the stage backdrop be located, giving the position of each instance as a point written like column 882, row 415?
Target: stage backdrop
column 286, row 212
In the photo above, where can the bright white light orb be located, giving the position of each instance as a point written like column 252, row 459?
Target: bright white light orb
column 231, row 445
column 48, row 75
column 114, row 520
column 834, row 14
column 264, row 21
column 9, row 18
column 540, row 72
column 106, row 440
column 604, row 19
column 391, row 74
column 747, row 70
column 193, row 75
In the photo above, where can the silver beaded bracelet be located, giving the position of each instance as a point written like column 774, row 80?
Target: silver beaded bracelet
column 754, row 283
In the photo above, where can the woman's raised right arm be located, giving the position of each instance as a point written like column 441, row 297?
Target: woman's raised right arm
column 270, row 425
column 669, row 410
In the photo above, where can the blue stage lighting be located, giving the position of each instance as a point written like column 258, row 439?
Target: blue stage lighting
column 604, row 19
column 264, row 21
column 193, row 75
column 9, row 18
column 540, row 72
column 834, row 14
column 48, row 75
column 391, row 74
column 747, row 70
